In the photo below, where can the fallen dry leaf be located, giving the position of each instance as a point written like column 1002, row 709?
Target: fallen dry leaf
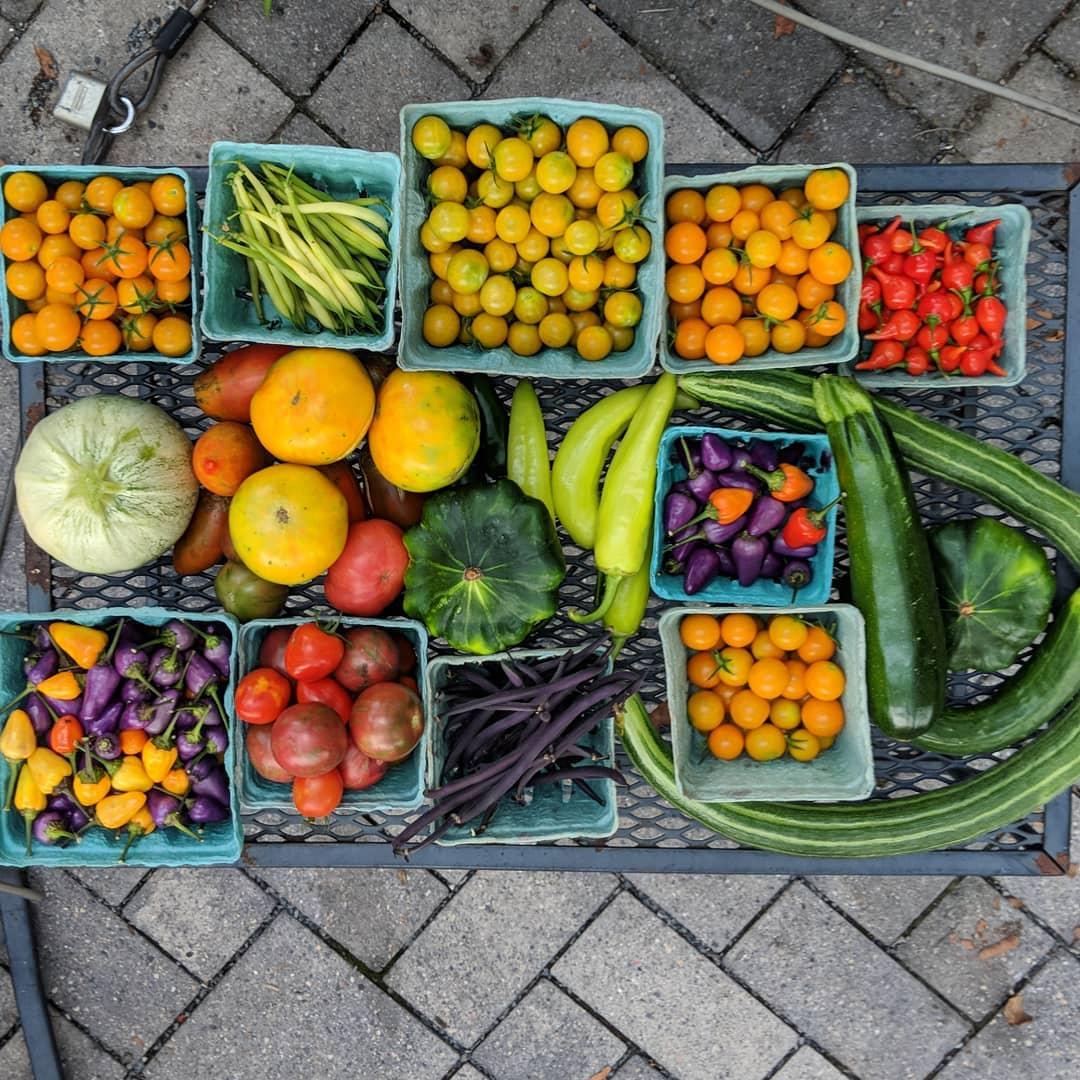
column 660, row 717
column 1044, row 313
column 980, row 928
column 1013, row 1011
column 1016, row 902
column 1055, row 335
column 966, row 943
column 1076, row 933
column 1073, row 870
column 782, row 26
column 603, row 1074
column 999, row 948
column 46, row 61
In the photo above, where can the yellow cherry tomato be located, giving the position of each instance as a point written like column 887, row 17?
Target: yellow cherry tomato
column 586, row 273
column 549, row 276
column 524, row 339
column 726, row 742
column 489, row 331
column 493, row 190
column 810, row 229
column 556, row 330
column 513, row 159
column 623, row 309
column 431, row 137
column 613, row 171
column 551, row 214
column 777, row 217
column 827, row 189
column 765, row 743
column 582, row 237
column 633, row 244
column 497, row 295
column 448, row 184
column 586, row 141
column 585, row 193
column 803, row 745
column 755, row 334
column 784, row 714
column 449, row 221
column 631, row 141
column 441, row 325
column 512, row 223
column 594, row 343
column 556, row 172
column 500, row 255
column 456, row 156
column 467, row 271
column 763, row 248
column 618, row 274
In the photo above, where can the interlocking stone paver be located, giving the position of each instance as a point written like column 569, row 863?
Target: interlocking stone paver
column 303, row 130
column 8, row 1013
column 12, row 574
column 839, row 988
column 808, row 1064
column 476, row 45
column 854, row 121
column 637, row 1068
column 547, row 1035
column 80, row 1056
column 728, row 55
column 973, row 947
column 1064, row 40
column 19, row 10
column 14, row 1060
column 289, row 991
column 883, row 906
column 453, row 878
column 111, row 883
column 966, row 35
column 371, row 912
column 209, row 92
column 390, row 58
column 594, row 63
column 1046, row 1049
column 109, row 978
column 496, row 933
column 297, row 42
column 714, row 909
column 200, row 916
column 1055, row 900
column 1007, row 132
column 467, row 1072
column 639, row 974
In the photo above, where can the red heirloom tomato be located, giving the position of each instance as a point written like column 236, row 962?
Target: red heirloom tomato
column 261, row 695
column 371, row 656
column 262, row 755
column 317, row 796
column 272, row 650
column 311, row 653
column 326, row 692
column 369, row 574
column 387, row 721
column 309, row 740
column 359, row 771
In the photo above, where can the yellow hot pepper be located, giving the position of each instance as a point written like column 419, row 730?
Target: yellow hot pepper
column 48, row 769
column 83, row 644
column 141, row 824
column 158, row 762
column 17, row 742
column 176, row 782
column 115, row 811
column 131, row 776
column 63, row 686
column 29, row 800
column 89, row 791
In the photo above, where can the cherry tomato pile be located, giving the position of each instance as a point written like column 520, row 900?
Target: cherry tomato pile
column 929, row 300
column 750, row 269
column 329, row 711
column 99, row 266
column 533, row 235
column 763, row 690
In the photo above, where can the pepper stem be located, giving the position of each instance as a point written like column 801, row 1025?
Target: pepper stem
column 611, row 585
column 28, row 819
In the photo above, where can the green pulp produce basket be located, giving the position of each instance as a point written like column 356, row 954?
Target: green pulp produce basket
column 221, row 843
column 401, row 789
column 722, row 590
column 553, row 812
column 415, row 354
column 843, row 772
column 54, row 175
column 778, row 177
column 228, row 313
column 1010, row 248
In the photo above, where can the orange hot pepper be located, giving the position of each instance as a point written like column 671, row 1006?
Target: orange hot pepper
column 89, row 791
column 157, row 760
column 63, row 686
column 29, row 800
column 176, row 782
column 83, row 644
column 786, row 482
column 115, row 811
column 140, row 824
column 48, row 769
column 17, row 742
column 133, row 740
column 730, row 503
column 131, row 776
column 65, row 734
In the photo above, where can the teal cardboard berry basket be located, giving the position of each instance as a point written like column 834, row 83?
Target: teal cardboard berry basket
column 551, row 811
column 1010, row 247
column 228, row 313
column 102, row 847
column 415, row 354
column 401, row 789
column 671, row 468
column 778, row 177
column 13, row 307
column 843, row 772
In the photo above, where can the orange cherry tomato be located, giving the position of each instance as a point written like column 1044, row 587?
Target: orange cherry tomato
column 719, row 235
column 788, row 632
column 162, row 228
column 748, row 710
column 686, row 204
column 51, row 217
column 825, row 680
column 24, row 336
column 169, row 261
column 679, row 312
column 705, row 709
column 726, row 742
column 169, row 195
column 785, row 714
column 57, row 327
column 795, row 690
column 97, row 299
column 700, row 632
column 738, row 630
column 768, row 677
column 749, row 279
column 172, row 336
column 136, row 295
column 65, row 274
column 690, row 337
column 704, row 669
column 722, row 202
column 100, row 192
column 719, row 266
column 830, row 263
column 101, row 338
column 126, row 256
column 685, row 242
column 811, row 292
column 177, row 292
column 138, row 331
column 133, row 208
column 87, row 231
column 20, row 239
column 724, row 344
column 25, row 280
column 684, row 284
column 822, row 717
column 721, row 305
column 828, row 320
column 765, row 743
column 755, row 197
column 818, row 645
column 763, row 646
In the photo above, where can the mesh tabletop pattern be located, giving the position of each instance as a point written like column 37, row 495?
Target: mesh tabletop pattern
column 1026, row 420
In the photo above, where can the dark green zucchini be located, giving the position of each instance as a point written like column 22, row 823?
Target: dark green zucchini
column 892, row 576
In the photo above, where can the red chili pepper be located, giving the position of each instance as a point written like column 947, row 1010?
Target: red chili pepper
column 806, row 526
column 893, row 263
column 901, row 325
column 921, row 265
column 869, row 316
column 932, row 336
column 933, row 239
column 903, row 241
column 995, row 369
column 984, row 233
column 956, row 274
column 65, row 734
column 974, row 362
column 877, row 245
column 950, row 357
column 981, row 341
column 866, row 229
column 870, row 293
column 936, row 303
column 917, row 360
column 897, row 291
column 962, row 330
column 977, row 256
column 990, row 313
column 885, row 354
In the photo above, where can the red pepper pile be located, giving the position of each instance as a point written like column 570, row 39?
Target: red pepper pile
column 928, row 301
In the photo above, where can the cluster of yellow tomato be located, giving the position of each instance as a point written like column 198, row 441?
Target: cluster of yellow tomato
column 98, row 266
column 763, row 690
column 532, row 237
column 749, row 269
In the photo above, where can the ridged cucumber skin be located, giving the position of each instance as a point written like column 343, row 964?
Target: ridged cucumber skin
column 937, row 451
column 892, row 575
column 1021, row 705
column 878, row 828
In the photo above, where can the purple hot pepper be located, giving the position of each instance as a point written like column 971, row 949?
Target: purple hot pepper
column 764, row 455
column 716, row 455
column 748, row 553
column 806, row 551
column 165, row 668
column 39, row 667
column 215, row 784
column 130, row 662
column 107, row 721
column 178, row 635
column 106, row 747
column 52, row 827
column 797, row 575
column 159, row 713
column 678, row 510
column 39, row 714
column 207, row 811
column 732, row 479
column 165, row 811
column 200, row 675
column 217, row 740
column 771, row 566
column 766, row 514
column 196, row 770
column 701, row 567
column 716, row 533
column 702, row 485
